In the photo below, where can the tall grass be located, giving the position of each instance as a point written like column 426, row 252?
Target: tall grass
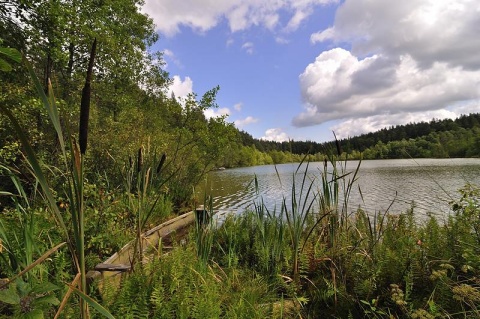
column 143, row 181
column 72, row 155
column 204, row 230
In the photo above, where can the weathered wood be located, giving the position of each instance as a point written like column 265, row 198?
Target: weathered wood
column 113, row 267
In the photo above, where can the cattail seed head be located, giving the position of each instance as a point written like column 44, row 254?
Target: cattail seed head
column 162, row 161
column 140, row 159
column 85, row 102
column 339, row 148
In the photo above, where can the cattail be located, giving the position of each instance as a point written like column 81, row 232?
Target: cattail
column 85, row 102
column 337, row 144
column 140, row 159
column 162, row 161
column 339, row 148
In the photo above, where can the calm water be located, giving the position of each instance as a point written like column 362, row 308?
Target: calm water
column 429, row 183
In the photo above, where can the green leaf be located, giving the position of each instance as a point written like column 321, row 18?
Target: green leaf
column 93, row 303
column 9, row 296
column 36, row 166
column 11, row 53
column 5, row 66
column 48, row 299
column 34, row 314
column 44, row 287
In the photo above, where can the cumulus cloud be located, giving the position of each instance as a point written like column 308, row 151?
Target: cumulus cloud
column 358, row 126
column 338, row 85
column 408, row 60
column 180, row 88
column 224, row 111
column 429, row 31
column 202, row 15
column 275, row 134
column 248, row 120
column 297, row 19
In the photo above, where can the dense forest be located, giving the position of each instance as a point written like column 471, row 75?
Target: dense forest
column 130, row 109
column 437, row 139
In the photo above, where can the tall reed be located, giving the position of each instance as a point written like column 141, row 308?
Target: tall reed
column 204, row 230
column 74, row 172
column 143, row 179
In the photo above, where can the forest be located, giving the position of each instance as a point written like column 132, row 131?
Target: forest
column 94, row 152
column 435, row 139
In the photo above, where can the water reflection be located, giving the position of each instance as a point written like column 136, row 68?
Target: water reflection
column 429, row 183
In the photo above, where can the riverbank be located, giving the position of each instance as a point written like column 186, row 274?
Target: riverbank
column 264, row 265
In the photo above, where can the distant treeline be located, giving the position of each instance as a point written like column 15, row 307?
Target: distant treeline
column 437, row 138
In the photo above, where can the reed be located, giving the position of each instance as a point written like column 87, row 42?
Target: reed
column 73, row 159
column 297, row 214
column 143, row 180
column 204, row 230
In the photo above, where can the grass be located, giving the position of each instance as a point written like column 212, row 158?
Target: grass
column 73, row 232
column 379, row 265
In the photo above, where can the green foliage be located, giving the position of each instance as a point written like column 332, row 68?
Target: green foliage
column 437, row 139
column 27, row 300
column 10, row 54
column 172, row 288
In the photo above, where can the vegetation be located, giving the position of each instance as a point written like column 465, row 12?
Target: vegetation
column 68, row 200
column 335, row 265
column 435, row 139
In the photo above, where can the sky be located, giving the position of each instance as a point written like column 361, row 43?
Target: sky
column 302, row 69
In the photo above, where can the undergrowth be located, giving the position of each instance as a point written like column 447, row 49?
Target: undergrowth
column 350, row 265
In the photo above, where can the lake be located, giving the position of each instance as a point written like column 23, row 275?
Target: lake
column 428, row 183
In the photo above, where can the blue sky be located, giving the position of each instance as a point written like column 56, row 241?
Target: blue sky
column 300, row 69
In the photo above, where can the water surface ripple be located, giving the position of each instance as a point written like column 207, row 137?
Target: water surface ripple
column 428, row 183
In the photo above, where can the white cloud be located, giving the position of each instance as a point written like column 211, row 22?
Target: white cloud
column 168, row 55
column 248, row 120
column 428, row 31
column 357, row 126
column 338, row 85
column 209, row 113
column 297, row 19
column 281, row 40
column 276, row 135
column 180, row 88
column 324, row 35
column 248, row 47
column 409, row 60
column 202, row 15
column 238, row 107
